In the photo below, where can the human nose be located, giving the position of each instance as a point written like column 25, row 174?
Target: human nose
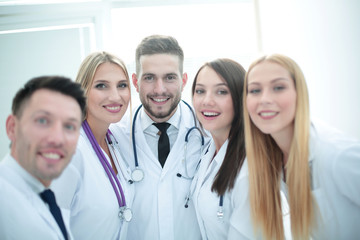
column 266, row 97
column 57, row 135
column 208, row 99
column 114, row 94
column 159, row 86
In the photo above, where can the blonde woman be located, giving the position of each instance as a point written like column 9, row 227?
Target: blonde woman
column 95, row 188
column 316, row 166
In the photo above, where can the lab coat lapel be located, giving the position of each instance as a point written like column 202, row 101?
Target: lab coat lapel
column 177, row 151
column 47, row 216
column 207, row 166
column 37, row 202
column 145, row 155
column 205, row 162
column 33, row 198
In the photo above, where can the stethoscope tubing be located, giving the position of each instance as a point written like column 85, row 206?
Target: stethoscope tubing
column 186, row 137
column 133, row 136
column 108, row 169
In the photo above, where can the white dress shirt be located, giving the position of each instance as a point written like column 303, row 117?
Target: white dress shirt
column 151, row 131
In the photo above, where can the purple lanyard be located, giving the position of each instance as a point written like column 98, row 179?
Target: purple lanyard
column 108, row 169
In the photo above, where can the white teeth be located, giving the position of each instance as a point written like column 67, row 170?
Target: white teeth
column 113, row 108
column 51, row 155
column 159, row 99
column 210, row 114
column 268, row 114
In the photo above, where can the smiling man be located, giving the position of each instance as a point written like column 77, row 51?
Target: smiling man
column 165, row 166
column 43, row 129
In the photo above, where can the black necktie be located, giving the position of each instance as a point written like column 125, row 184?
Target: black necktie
column 49, row 197
column 163, row 144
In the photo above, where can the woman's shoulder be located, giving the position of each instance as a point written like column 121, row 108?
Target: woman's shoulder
column 328, row 140
column 123, row 126
column 337, row 157
column 83, row 147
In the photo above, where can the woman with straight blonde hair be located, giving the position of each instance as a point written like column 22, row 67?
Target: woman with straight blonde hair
column 95, row 187
column 316, row 167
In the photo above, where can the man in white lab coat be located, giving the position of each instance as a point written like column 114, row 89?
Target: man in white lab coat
column 159, row 210
column 43, row 128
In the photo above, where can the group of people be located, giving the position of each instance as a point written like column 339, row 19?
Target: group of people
column 243, row 161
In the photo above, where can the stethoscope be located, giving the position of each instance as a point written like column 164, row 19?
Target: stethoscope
column 220, row 212
column 125, row 213
column 138, row 174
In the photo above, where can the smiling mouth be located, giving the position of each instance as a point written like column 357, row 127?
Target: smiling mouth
column 52, row 156
column 210, row 114
column 267, row 114
column 160, row 100
column 113, row 108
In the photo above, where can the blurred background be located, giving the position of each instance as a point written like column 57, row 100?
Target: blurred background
column 53, row 37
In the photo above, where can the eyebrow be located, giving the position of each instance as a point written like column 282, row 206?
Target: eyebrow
column 72, row 119
column 216, row 85
column 166, row 74
column 100, row 81
column 106, row 81
column 272, row 81
column 41, row 112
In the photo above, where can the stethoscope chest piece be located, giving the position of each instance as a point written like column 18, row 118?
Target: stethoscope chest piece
column 125, row 214
column 137, row 175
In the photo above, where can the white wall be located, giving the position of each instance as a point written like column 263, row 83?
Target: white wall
column 203, row 37
column 42, row 39
column 323, row 37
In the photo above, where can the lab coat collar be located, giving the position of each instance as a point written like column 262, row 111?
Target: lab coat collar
column 219, row 158
column 188, row 121
column 31, row 187
column 34, row 183
column 211, row 162
column 82, row 133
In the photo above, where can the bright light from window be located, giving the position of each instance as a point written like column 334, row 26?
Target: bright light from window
column 204, row 31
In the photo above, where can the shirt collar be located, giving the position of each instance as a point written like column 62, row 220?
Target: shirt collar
column 222, row 151
column 34, row 183
column 146, row 121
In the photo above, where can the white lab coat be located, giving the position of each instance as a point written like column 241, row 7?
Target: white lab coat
column 158, row 206
column 335, row 163
column 236, row 205
column 23, row 214
column 85, row 189
column 335, row 169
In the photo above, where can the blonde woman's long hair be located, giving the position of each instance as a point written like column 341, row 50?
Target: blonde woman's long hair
column 265, row 165
column 89, row 66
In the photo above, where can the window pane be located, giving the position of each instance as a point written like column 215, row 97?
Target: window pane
column 204, row 31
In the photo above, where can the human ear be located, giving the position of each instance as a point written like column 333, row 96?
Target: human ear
column 135, row 82
column 184, row 80
column 10, row 127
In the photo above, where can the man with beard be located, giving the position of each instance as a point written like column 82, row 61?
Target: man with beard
column 43, row 128
column 163, row 166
